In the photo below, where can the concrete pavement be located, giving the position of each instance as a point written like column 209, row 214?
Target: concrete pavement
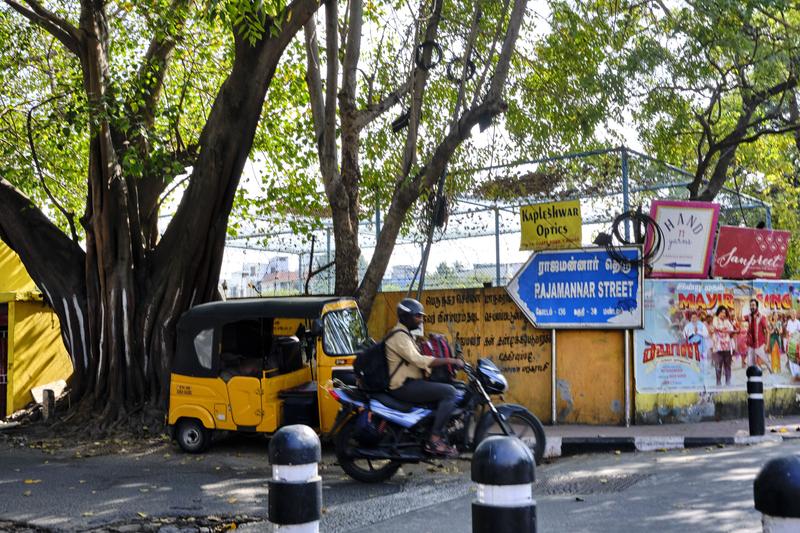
column 572, row 439
column 702, row 490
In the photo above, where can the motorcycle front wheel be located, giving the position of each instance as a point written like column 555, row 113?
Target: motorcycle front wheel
column 360, row 469
column 524, row 425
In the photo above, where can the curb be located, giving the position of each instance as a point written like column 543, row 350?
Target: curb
column 564, row 446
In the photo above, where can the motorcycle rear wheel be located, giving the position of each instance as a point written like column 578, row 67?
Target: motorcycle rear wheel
column 524, row 426
column 364, row 470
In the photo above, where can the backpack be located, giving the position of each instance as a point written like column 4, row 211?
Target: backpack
column 372, row 369
column 437, row 346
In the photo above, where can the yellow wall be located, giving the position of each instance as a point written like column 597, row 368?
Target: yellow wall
column 695, row 407
column 590, row 376
column 14, row 279
column 36, row 353
column 589, row 369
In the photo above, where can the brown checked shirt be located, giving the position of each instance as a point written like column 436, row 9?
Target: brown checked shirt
column 400, row 347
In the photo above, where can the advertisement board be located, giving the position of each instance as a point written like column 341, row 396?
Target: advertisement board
column 582, row 288
column 680, row 348
column 688, row 229
column 747, row 253
column 551, row 225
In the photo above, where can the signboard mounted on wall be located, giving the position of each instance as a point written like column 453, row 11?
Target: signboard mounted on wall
column 747, row 253
column 551, row 225
column 688, row 230
column 581, row 288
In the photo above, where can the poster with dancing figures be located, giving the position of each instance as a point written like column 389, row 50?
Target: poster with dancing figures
column 701, row 335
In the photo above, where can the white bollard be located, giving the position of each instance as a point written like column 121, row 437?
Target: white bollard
column 503, row 469
column 295, row 490
column 776, row 491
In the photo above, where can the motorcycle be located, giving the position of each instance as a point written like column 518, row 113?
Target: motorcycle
column 375, row 433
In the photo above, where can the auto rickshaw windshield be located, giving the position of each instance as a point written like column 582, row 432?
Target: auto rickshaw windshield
column 345, row 332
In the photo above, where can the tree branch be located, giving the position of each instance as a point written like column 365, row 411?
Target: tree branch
column 70, row 216
column 352, row 54
column 498, row 32
column 56, row 26
column 372, row 111
column 420, row 78
column 54, row 261
column 331, row 83
column 314, row 83
column 154, row 64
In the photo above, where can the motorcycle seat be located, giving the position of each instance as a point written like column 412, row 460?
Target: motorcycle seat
column 392, row 403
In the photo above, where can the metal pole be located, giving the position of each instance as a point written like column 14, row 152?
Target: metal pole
column 626, row 201
column 769, row 217
column 378, row 228
column 300, row 273
column 497, row 246
column 627, row 378
column 328, row 257
column 553, row 413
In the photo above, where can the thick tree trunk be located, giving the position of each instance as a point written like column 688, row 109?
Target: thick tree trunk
column 402, row 201
column 119, row 301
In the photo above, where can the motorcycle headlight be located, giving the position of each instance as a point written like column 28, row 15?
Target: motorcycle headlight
column 493, row 380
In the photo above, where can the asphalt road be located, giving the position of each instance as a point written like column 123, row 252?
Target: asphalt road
column 698, row 490
column 688, row 490
column 228, row 484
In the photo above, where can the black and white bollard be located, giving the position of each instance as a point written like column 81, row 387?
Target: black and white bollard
column 776, row 491
column 503, row 469
column 295, row 490
column 755, row 400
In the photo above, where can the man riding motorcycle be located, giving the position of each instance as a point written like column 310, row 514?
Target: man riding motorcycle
column 408, row 369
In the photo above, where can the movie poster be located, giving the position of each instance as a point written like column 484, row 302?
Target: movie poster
column 696, row 337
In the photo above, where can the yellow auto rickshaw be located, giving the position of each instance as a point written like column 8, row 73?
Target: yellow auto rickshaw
column 258, row 364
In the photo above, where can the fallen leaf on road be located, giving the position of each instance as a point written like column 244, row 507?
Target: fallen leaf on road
column 32, row 481
column 87, row 513
column 232, row 500
column 603, row 480
column 617, row 452
column 143, row 515
column 81, row 481
column 144, row 490
column 26, row 493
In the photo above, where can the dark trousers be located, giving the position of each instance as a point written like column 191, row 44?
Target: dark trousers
column 422, row 391
column 722, row 363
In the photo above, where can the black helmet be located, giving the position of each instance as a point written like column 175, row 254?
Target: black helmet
column 409, row 307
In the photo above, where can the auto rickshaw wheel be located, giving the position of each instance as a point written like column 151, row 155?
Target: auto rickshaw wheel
column 192, row 436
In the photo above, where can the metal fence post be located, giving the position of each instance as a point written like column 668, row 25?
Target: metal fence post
column 497, row 247
column 503, row 469
column 626, row 200
column 295, row 490
column 776, row 491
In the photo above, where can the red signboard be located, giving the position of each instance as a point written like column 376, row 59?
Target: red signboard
column 746, row 253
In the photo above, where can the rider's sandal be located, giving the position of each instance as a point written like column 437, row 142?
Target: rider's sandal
column 441, row 448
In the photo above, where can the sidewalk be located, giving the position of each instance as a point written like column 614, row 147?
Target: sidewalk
column 572, row 439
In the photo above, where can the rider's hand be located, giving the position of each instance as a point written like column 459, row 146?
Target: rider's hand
column 458, row 363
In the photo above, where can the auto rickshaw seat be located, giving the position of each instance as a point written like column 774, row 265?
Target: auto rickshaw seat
column 285, row 355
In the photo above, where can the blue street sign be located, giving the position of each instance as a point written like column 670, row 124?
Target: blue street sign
column 583, row 288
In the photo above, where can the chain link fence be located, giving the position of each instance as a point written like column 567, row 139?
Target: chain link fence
column 479, row 244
